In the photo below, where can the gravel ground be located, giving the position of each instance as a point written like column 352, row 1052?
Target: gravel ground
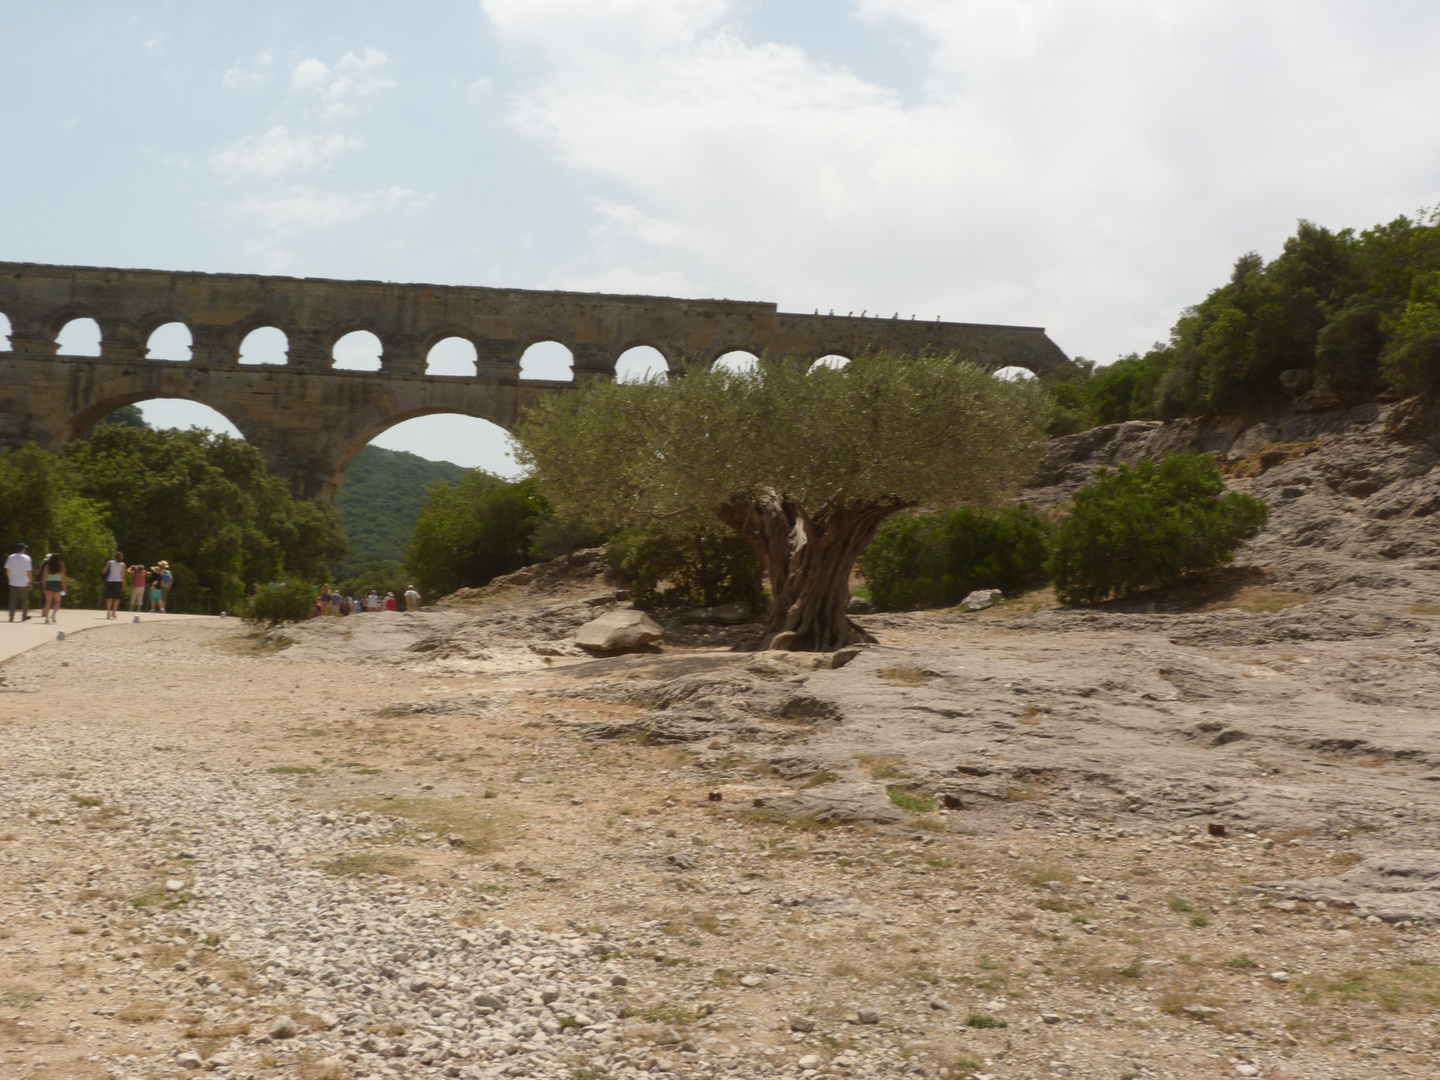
column 216, row 857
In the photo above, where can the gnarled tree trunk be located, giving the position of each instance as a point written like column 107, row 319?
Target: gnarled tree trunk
column 808, row 560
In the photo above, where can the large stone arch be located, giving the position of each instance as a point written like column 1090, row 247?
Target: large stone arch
column 356, row 439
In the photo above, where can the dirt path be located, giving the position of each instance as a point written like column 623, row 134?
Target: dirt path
column 199, row 838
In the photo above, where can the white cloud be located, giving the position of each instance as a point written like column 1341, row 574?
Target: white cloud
column 279, row 151
column 248, row 74
column 344, row 87
column 1088, row 164
column 302, row 208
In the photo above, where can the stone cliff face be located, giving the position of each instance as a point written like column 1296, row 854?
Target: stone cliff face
column 1352, row 493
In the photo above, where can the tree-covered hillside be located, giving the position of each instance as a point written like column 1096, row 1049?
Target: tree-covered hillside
column 1347, row 314
column 379, row 501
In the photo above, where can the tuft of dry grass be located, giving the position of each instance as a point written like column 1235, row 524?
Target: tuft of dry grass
column 881, row 766
column 905, row 674
column 142, row 1011
column 482, row 826
column 367, row 862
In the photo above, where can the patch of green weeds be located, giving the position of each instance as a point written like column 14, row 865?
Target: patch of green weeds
column 661, row 1012
column 909, row 800
column 980, row 1020
column 1135, row 968
column 1179, row 904
column 1243, row 962
column 290, row 770
column 961, row 1068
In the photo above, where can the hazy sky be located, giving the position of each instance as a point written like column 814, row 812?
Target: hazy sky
column 1091, row 166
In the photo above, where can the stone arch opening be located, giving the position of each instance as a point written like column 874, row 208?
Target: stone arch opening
column 830, row 362
column 4, row 332
column 548, row 360
column 1013, row 374
column 265, row 345
column 359, row 350
column 79, row 337
column 472, row 442
column 158, row 411
column 738, row 361
column 170, row 341
column 452, row 356
column 640, row 363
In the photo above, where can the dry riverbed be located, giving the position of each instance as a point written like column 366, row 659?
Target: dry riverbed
column 219, row 856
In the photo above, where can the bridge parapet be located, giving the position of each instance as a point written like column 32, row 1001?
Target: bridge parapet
column 310, row 419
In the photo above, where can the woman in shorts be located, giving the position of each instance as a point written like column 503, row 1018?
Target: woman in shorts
column 156, row 594
column 52, row 582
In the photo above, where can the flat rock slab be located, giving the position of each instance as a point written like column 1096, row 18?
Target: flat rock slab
column 618, row 630
column 1394, row 886
column 842, row 802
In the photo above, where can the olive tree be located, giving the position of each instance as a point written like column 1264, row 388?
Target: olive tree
column 805, row 465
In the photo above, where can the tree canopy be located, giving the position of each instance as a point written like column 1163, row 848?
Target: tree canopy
column 1359, row 311
column 472, row 531
column 805, row 464
column 204, row 503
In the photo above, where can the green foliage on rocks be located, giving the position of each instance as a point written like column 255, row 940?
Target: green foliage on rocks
column 279, row 603
column 1359, row 311
column 470, row 532
column 935, row 559
column 1146, row 525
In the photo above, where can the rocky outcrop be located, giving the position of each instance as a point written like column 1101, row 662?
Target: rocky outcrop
column 619, row 631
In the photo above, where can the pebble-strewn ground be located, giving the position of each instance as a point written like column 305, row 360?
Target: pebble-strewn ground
column 213, row 858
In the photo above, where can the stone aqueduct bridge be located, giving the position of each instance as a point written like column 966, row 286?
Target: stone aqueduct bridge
column 309, row 420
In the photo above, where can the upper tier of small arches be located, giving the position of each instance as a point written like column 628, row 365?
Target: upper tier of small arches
column 443, row 352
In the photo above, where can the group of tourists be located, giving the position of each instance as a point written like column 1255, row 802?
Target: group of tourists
column 20, row 574
column 330, row 601
column 149, row 585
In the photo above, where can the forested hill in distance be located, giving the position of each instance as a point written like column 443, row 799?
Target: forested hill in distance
column 379, row 501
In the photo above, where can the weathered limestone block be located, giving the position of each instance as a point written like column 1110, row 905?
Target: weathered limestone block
column 624, row 628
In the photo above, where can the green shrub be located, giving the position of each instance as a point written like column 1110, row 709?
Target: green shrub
column 1147, row 525
column 286, row 601
column 687, row 570
column 933, row 560
column 470, row 532
column 1412, row 360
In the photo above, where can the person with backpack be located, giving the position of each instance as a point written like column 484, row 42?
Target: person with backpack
column 167, row 580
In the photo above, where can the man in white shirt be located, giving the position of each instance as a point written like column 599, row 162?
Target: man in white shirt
column 412, row 599
column 18, row 569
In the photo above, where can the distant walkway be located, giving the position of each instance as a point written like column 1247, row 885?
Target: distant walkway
column 19, row 637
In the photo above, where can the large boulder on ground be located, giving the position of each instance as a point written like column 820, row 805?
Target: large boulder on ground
column 616, row 631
